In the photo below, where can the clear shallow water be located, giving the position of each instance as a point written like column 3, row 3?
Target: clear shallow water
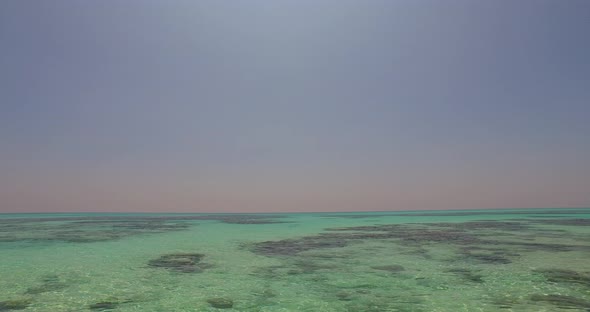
column 493, row 260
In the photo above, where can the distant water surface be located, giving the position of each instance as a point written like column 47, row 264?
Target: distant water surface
column 476, row 260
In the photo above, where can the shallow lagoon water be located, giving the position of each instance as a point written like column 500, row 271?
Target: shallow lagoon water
column 479, row 260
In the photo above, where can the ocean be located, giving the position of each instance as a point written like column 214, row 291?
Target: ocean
column 461, row 260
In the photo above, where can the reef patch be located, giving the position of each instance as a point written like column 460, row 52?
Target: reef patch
column 180, row 262
column 221, row 303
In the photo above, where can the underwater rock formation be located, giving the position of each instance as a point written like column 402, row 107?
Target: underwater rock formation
column 221, row 303
column 83, row 230
column 565, row 276
column 393, row 268
column 562, row 301
column 467, row 275
column 49, row 283
column 180, row 262
column 103, row 306
column 15, row 304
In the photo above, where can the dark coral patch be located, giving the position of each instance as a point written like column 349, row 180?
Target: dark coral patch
column 243, row 218
column 357, row 216
column 83, row 230
column 257, row 221
column 570, row 222
column 103, row 306
column 484, row 225
column 392, row 268
column 289, row 247
column 489, row 258
column 565, row 276
column 16, row 304
column 180, row 262
column 49, row 283
column 562, row 301
column 221, row 303
column 503, row 212
column 107, row 228
column 467, row 275
column 306, row 266
column 415, row 236
column 108, row 305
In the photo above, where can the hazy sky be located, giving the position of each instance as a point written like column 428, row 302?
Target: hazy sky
column 293, row 105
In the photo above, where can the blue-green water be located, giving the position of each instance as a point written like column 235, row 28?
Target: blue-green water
column 492, row 260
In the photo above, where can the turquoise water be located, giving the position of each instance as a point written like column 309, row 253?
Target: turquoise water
column 479, row 260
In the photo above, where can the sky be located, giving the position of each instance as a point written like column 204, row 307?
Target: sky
column 293, row 106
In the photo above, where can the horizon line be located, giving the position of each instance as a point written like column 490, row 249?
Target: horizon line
column 283, row 212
